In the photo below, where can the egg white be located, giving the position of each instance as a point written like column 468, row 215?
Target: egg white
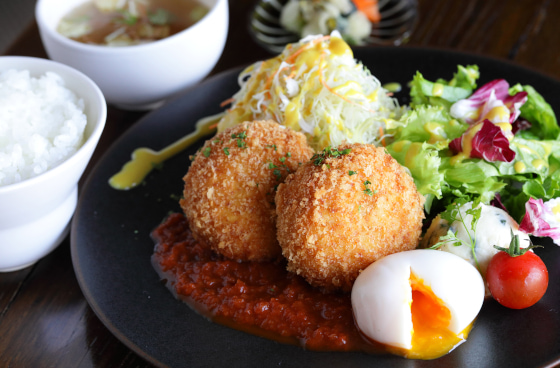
column 382, row 295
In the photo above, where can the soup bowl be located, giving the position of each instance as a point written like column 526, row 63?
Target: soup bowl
column 139, row 77
column 35, row 213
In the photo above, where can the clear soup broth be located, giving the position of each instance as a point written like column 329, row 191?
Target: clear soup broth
column 129, row 22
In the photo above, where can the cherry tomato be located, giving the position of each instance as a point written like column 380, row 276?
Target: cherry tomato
column 517, row 282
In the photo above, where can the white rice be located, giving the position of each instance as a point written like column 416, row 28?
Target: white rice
column 41, row 124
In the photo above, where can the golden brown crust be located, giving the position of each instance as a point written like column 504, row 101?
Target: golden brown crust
column 330, row 228
column 229, row 198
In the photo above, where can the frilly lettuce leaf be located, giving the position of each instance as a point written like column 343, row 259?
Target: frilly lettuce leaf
column 431, row 124
column 465, row 77
column 537, row 174
column 531, row 159
column 422, row 161
column 473, row 177
column 539, row 113
column 444, row 93
column 421, row 143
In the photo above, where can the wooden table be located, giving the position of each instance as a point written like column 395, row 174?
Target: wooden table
column 45, row 320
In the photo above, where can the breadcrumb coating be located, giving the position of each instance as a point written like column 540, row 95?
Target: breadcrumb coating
column 337, row 215
column 230, row 187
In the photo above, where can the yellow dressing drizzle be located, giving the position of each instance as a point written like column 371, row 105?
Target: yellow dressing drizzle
column 547, row 148
column 519, row 167
column 437, row 133
column 393, row 87
column 398, row 146
column 437, row 89
column 506, row 127
column 339, row 47
column 527, row 149
column 539, row 164
column 466, row 144
column 413, row 151
column 144, row 159
column 497, row 114
column 556, row 210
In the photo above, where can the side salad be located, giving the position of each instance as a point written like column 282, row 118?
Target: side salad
column 492, row 143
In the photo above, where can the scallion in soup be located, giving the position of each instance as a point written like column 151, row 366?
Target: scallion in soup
column 129, row 22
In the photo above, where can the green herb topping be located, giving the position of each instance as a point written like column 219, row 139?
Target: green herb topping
column 318, row 158
column 127, row 18
column 240, row 139
column 159, row 17
column 368, row 191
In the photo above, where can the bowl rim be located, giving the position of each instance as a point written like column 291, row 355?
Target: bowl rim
column 44, row 27
column 92, row 139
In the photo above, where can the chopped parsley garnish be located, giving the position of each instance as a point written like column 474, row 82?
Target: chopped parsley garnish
column 278, row 174
column 240, row 139
column 127, row 18
column 276, row 170
column 282, row 159
column 241, row 135
column 318, row 158
column 271, row 146
column 206, row 151
column 368, row 191
column 351, row 172
column 159, row 17
column 288, row 154
column 226, row 150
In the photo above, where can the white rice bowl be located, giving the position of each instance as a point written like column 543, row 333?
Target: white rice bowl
column 41, row 124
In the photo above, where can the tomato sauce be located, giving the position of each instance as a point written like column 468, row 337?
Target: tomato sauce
column 260, row 298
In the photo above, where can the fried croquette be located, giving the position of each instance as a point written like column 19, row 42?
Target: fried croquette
column 343, row 210
column 230, row 187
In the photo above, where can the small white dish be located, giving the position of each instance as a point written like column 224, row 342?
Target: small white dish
column 398, row 20
column 35, row 213
column 143, row 76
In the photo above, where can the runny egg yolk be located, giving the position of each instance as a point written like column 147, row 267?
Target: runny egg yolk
column 420, row 304
column 431, row 337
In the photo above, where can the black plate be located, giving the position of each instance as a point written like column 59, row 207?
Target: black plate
column 111, row 246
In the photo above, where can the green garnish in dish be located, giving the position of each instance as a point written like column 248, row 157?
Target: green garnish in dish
column 240, row 139
column 318, row 158
column 159, row 17
column 368, row 191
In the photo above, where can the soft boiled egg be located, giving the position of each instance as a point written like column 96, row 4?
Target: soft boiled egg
column 420, row 304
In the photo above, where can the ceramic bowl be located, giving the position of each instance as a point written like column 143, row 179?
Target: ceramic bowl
column 35, row 213
column 398, row 20
column 142, row 76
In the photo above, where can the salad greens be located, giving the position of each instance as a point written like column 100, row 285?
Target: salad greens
column 438, row 145
column 442, row 92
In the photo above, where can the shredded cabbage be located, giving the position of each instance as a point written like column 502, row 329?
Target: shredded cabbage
column 317, row 87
